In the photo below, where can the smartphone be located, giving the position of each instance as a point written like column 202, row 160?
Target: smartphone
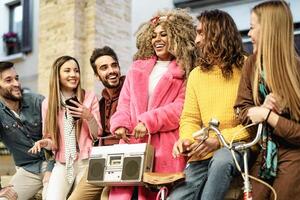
column 69, row 103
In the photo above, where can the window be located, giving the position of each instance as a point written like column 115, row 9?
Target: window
column 15, row 19
column 249, row 48
column 248, row 45
column 12, row 39
column 199, row 3
column 20, row 24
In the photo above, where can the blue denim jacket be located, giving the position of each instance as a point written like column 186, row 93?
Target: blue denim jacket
column 19, row 134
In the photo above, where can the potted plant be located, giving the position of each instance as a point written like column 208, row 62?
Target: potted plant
column 11, row 41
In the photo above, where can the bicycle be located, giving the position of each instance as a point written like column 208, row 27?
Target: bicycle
column 202, row 135
column 243, row 147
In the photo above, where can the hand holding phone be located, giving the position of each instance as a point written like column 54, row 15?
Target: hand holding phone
column 69, row 103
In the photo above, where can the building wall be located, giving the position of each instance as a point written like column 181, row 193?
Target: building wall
column 240, row 11
column 75, row 28
column 113, row 28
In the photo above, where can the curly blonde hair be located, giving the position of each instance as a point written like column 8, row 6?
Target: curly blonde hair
column 181, row 32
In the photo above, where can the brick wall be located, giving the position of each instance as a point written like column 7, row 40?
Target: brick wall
column 76, row 27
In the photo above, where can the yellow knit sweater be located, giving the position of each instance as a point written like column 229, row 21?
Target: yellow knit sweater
column 210, row 95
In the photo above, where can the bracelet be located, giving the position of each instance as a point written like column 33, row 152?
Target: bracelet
column 268, row 115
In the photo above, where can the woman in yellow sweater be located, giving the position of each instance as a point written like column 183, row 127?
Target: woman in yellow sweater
column 211, row 93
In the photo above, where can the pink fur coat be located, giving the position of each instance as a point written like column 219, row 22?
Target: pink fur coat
column 160, row 114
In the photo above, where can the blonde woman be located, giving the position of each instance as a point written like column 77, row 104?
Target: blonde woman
column 69, row 128
column 269, row 92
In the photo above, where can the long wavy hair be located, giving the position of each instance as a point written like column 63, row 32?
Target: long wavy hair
column 276, row 55
column 222, row 43
column 54, row 101
column 181, row 32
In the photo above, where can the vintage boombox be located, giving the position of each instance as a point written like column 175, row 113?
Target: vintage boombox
column 120, row 164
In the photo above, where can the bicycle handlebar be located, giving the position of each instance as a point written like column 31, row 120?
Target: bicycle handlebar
column 253, row 142
column 214, row 126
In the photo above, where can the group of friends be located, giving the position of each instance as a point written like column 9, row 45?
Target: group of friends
column 181, row 77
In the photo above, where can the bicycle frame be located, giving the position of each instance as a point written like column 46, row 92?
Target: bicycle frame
column 214, row 126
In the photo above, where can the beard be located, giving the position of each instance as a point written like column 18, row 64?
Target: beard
column 107, row 84
column 110, row 86
column 7, row 94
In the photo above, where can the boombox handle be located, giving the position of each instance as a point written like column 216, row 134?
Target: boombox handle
column 113, row 136
column 149, row 137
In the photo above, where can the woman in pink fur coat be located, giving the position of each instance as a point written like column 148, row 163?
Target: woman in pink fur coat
column 152, row 96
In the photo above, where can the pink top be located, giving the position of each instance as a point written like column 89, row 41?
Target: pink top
column 85, row 140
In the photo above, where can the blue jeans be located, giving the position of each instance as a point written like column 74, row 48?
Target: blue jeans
column 207, row 179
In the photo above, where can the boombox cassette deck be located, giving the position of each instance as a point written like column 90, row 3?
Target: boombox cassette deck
column 120, row 164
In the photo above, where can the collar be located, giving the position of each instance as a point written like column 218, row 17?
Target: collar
column 174, row 69
column 23, row 104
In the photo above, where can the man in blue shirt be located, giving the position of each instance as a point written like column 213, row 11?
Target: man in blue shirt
column 20, row 128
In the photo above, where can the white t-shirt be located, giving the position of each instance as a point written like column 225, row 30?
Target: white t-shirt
column 159, row 69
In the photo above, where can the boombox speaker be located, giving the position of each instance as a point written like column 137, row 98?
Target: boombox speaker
column 120, row 164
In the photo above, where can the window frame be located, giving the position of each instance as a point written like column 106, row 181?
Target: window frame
column 27, row 23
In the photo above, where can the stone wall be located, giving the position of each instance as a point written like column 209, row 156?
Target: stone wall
column 75, row 28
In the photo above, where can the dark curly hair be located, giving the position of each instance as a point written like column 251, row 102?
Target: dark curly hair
column 222, row 44
column 180, row 28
